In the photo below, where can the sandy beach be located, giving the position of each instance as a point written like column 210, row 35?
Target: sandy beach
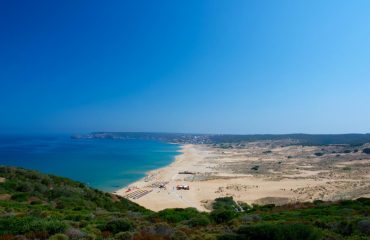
column 257, row 172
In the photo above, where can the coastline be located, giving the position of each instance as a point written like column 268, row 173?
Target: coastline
column 151, row 173
column 161, row 198
column 212, row 172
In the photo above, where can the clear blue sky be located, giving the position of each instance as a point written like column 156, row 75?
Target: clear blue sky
column 185, row 66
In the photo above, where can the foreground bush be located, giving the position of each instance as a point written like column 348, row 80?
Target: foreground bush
column 118, row 225
column 59, row 236
column 278, row 232
column 16, row 225
column 223, row 215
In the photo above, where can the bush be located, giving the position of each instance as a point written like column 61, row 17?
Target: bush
column 163, row 229
column 251, row 218
column 200, row 220
column 364, row 227
column 319, row 154
column 229, row 236
column 345, row 228
column 123, row 236
column 279, row 232
column 118, row 225
column 179, row 235
column 366, row 150
column 20, row 197
column 12, row 225
column 59, row 236
column 177, row 215
column 255, row 168
column 224, row 203
column 364, row 201
column 24, row 187
column 222, row 215
column 75, row 233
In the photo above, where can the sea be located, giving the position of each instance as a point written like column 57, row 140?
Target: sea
column 105, row 164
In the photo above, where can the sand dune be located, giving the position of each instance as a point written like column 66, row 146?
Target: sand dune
column 260, row 172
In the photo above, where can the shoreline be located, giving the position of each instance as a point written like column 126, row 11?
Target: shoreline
column 286, row 174
column 149, row 173
column 148, row 190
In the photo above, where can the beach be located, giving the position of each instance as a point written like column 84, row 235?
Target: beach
column 264, row 172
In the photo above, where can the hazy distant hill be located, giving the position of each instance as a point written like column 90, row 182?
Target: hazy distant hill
column 305, row 139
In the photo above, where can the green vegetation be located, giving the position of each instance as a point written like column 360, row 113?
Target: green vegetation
column 366, row 150
column 275, row 231
column 39, row 206
column 319, row 154
column 255, row 168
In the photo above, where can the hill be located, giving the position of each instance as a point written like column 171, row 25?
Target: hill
column 39, row 206
column 302, row 139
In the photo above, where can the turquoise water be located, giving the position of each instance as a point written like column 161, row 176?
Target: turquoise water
column 101, row 163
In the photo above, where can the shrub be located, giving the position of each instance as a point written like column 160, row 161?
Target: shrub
column 118, row 225
column 123, row 236
column 251, row 218
column 19, row 237
column 224, row 203
column 59, row 236
column 364, row 201
column 222, row 215
column 266, row 207
column 163, row 229
column 20, row 197
column 30, row 224
column 179, row 235
column 177, row 215
column 318, row 202
column 75, row 233
column 229, row 236
column 24, row 187
column 279, row 232
column 364, row 227
column 319, row 154
column 345, row 227
column 255, row 168
column 36, row 202
column 366, row 150
column 200, row 220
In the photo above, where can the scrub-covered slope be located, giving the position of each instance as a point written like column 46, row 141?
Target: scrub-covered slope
column 39, row 206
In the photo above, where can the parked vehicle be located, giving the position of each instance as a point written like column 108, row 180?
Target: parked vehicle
column 182, row 187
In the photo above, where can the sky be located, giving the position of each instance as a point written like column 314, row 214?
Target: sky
column 194, row 66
